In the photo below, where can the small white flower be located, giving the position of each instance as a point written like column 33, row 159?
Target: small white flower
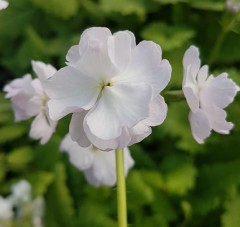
column 233, row 6
column 98, row 166
column 6, row 207
column 3, row 4
column 29, row 99
column 111, row 85
column 21, row 192
column 207, row 96
column 38, row 205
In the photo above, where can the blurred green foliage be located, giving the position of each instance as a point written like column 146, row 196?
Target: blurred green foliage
column 175, row 181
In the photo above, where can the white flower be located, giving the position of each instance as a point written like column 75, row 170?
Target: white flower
column 111, row 85
column 98, row 166
column 21, row 192
column 38, row 211
column 233, row 6
column 29, row 99
column 3, row 4
column 6, row 207
column 206, row 96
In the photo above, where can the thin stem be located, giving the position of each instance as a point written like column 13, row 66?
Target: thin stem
column 121, row 189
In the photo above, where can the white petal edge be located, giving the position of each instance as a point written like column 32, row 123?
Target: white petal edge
column 200, row 125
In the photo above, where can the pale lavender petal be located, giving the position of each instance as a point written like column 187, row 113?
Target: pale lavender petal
column 200, row 125
column 219, row 91
column 76, row 129
column 42, row 128
column 42, row 70
column 157, row 112
column 80, row 157
column 120, row 48
column 80, row 92
column 119, row 106
column 191, row 64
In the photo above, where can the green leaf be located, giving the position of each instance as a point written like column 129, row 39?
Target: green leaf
column 180, row 174
column 138, row 188
column 40, row 182
column 19, row 158
column 58, row 8
column 59, row 197
column 163, row 2
column 125, row 7
column 167, row 36
column 208, row 4
column 11, row 132
column 2, row 166
column 213, row 183
column 102, row 218
column 231, row 217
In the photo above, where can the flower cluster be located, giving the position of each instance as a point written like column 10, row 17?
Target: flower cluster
column 111, row 86
column 29, row 99
column 19, row 205
column 206, row 97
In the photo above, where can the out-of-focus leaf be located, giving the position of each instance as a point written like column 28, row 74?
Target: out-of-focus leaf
column 163, row 2
column 208, row 4
column 138, row 189
column 125, row 7
column 40, row 182
column 58, row 8
column 11, row 132
column 214, row 182
column 231, row 217
column 2, row 166
column 59, row 196
column 101, row 219
column 167, row 36
column 180, row 174
column 19, row 157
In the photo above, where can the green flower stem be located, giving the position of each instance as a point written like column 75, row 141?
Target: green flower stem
column 173, row 96
column 121, row 189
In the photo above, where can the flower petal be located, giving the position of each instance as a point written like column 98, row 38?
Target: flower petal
column 146, row 66
column 157, row 112
column 76, row 129
column 192, row 98
column 217, row 118
column 192, row 62
column 93, row 55
column 202, row 75
column 219, row 91
column 119, row 106
column 42, row 128
column 43, row 71
column 103, row 170
column 81, row 92
column 3, row 4
column 139, row 132
column 120, row 48
column 112, row 144
column 80, row 157
column 21, row 85
column 200, row 125
column 73, row 55
column 95, row 33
